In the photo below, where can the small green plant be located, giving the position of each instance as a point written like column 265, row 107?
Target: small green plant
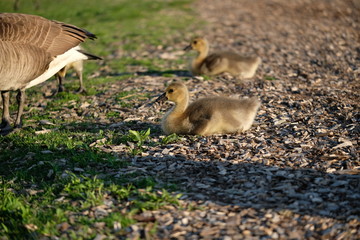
column 113, row 114
column 270, row 78
column 13, row 212
column 168, row 75
column 170, row 138
column 206, row 78
column 88, row 190
column 150, row 200
column 139, row 137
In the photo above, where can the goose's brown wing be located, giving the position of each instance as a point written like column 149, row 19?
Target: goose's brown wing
column 20, row 63
column 28, row 43
column 52, row 36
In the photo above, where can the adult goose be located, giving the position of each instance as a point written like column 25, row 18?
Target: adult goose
column 33, row 49
column 206, row 116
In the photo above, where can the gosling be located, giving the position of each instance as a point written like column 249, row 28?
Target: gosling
column 206, row 116
column 221, row 62
column 78, row 68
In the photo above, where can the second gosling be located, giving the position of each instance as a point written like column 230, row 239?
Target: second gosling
column 78, row 68
column 206, row 116
column 220, row 62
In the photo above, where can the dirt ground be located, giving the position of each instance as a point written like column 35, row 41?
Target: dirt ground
column 295, row 173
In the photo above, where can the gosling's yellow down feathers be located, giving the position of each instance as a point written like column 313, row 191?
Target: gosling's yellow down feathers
column 221, row 62
column 206, row 116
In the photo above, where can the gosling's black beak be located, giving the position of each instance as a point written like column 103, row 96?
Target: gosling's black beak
column 188, row 48
column 161, row 98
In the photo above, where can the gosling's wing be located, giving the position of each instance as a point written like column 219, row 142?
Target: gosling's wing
column 199, row 114
column 214, row 64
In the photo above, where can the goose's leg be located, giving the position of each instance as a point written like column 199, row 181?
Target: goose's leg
column 60, row 77
column 5, row 126
column 21, row 101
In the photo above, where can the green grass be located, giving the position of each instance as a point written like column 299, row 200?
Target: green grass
column 73, row 201
column 50, row 178
column 52, row 184
column 118, row 24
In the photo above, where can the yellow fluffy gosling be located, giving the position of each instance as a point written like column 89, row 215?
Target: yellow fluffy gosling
column 221, row 62
column 78, row 68
column 206, row 116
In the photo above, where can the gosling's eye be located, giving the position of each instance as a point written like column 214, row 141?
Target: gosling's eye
column 195, row 42
column 171, row 90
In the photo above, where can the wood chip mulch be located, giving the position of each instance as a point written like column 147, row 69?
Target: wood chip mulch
column 295, row 173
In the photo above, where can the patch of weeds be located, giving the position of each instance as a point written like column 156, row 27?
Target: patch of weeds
column 147, row 199
column 139, row 137
column 93, row 159
column 118, row 139
column 144, row 182
column 270, row 78
column 13, row 213
column 37, row 115
column 170, row 138
column 90, row 191
column 63, row 99
column 40, row 171
column 117, row 218
column 91, row 91
column 171, row 187
column 193, row 207
column 25, row 217
column 63, row 140
column 120, row 192
column 206, row 77
column 53, row 140
column 42, row 157
column 113, row 114
column 168, row 75
column 55, row 202
column 80, row 126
